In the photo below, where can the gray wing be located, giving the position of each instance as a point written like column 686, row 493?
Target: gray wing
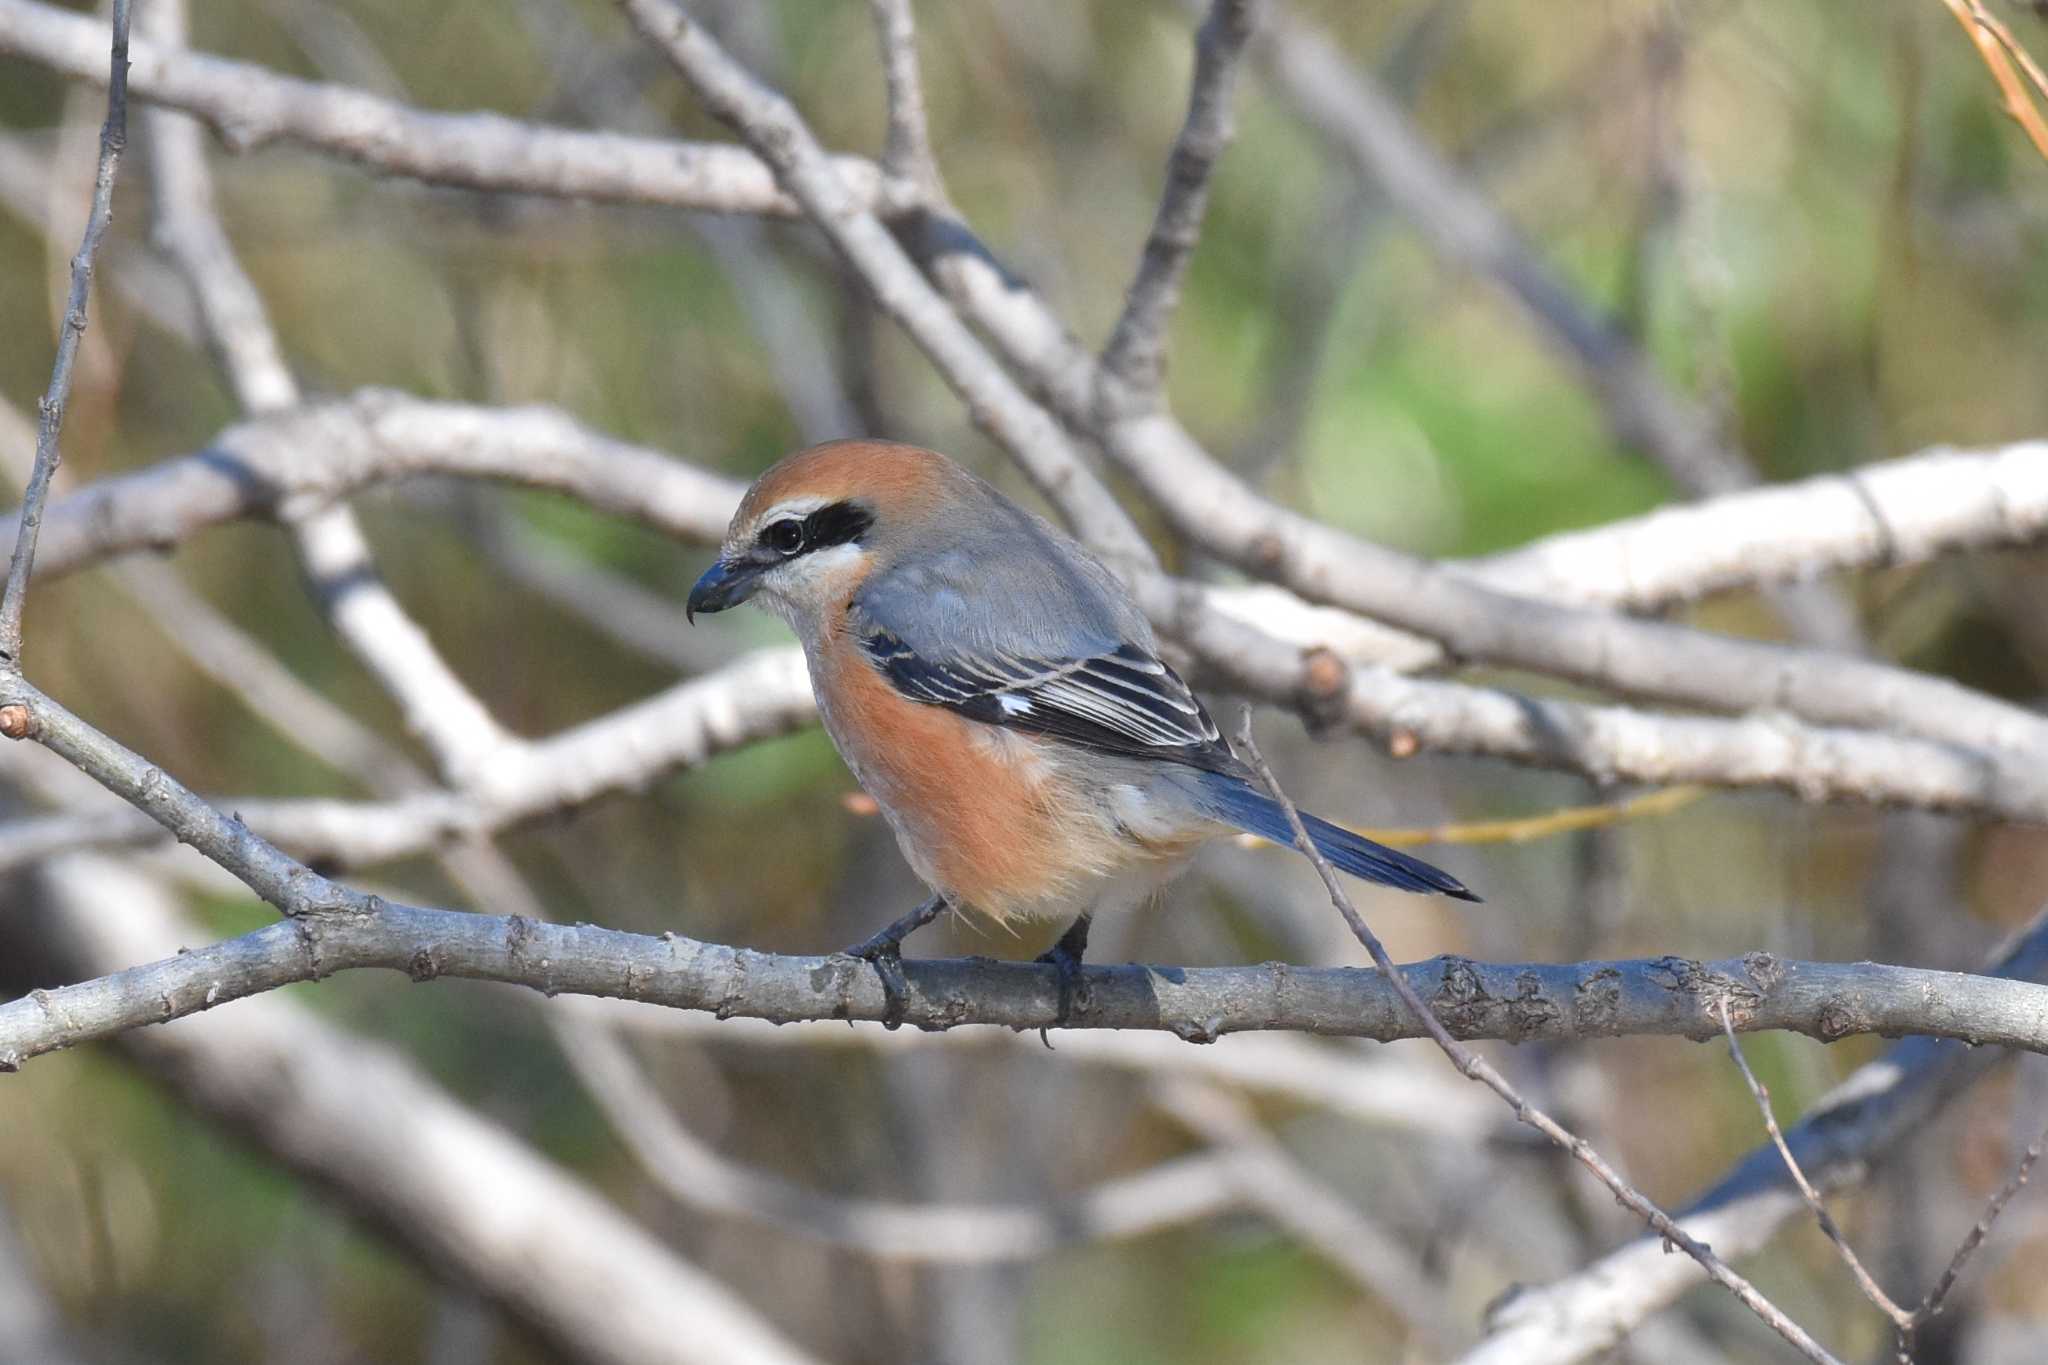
column 1005, row 633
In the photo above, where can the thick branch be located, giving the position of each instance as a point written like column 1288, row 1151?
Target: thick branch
column 326, row 452
column 1513, row 1001
column 249, row 106
column 1904, row 511
column 1640, row 658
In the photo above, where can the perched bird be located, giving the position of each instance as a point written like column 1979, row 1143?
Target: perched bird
column 999, row 693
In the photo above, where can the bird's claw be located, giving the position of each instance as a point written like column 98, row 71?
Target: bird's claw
column 1064, row 958
column 883, row 950
column 887, row 959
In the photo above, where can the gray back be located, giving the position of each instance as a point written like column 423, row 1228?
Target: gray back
column 1001, row 580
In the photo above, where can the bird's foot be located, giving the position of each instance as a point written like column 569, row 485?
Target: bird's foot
column 883, row 951
column 1064, row 957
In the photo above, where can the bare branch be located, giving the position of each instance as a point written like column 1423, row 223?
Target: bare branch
column 1998, row 48
column 1979, row 1230
column 1904, row 511
column 1906, row 1323
column 1745, row 675
column 1590, row 1310
column 249, row 106
column 325, row 452
column 1307, row 1209
column 331, row 927
column 1901, row 1319
column 458, row 730
column 1134, row 360
column 459, row 1191
column 1475, row 1067
column 772, row 127
column 1167, row 1195
column 455, row 726
column 907, row 154
column 50, row 410
column 1374, row 133
column 1519, row 1002
column 1928, row 503
column 1646, row 659
column 767, row 694
column 187, row 226
column 759, row 696
column 525, row 157
column 1608, row 743
column 1323, row 565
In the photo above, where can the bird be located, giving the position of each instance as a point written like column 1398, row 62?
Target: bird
column 999, row 693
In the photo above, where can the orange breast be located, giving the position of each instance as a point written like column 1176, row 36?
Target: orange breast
column 974, row 807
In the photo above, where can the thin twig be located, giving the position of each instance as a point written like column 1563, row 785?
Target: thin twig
column 1134, row 361
column 907, row 153
column 1906, row 1323
column 1901, row 1319
column 1475, row 1067
column 1855, row 1126
column 1938, row 1295
column 50, row 410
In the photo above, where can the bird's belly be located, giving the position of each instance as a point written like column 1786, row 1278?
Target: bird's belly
column 987, row 816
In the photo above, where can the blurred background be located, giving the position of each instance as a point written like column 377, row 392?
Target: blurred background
column 1813, row 217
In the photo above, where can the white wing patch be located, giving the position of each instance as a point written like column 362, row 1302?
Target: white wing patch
column 1124, row 699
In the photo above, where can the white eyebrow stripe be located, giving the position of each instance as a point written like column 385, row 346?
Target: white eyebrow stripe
column 798, row 507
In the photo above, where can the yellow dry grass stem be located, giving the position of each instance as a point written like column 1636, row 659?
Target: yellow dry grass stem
column 1525, row 828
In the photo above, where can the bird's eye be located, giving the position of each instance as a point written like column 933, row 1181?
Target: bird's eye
column 784, row 537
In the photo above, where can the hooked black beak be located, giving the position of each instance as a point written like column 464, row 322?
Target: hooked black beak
column 724, row 584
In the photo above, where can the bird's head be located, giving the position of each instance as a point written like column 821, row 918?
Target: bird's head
column 817, row 524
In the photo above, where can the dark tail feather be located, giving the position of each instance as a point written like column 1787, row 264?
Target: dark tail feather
column 1237, row 803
